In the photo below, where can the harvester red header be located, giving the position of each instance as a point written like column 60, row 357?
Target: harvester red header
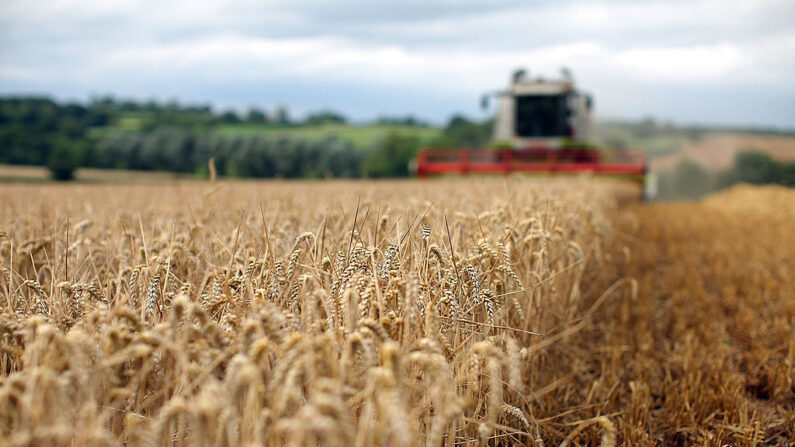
column 541, row 126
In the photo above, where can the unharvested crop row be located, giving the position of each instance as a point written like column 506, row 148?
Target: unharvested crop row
column 334, row 313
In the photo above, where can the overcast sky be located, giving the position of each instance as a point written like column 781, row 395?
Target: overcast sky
column 704, row 61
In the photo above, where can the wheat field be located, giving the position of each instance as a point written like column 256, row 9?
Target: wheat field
column 397, row 313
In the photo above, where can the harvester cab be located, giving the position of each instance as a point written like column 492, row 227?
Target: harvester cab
column 542, row 113
column 541, row 126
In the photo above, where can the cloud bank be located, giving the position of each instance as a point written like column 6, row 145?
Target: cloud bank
column 703, row 61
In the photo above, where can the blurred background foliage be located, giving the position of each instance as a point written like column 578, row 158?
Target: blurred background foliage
column 689, row 180
column 171, row 137
column 153, row 136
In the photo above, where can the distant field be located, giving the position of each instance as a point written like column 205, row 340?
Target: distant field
column 39, row 174
column 360, row 136
column 716, row 151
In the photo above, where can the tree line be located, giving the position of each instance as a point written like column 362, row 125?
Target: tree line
column 247, row 155
column 106, row 133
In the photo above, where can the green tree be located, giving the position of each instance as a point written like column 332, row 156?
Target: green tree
column 62, row 162
column 391, row 156
column 325, row 117
column 755, row 167
column 787, row 173
column 256, row 116
column 461, row 132
column 229, row 117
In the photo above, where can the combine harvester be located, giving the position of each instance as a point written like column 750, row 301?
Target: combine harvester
column 542, row 126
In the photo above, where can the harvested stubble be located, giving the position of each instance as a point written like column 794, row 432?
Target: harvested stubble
column 343, row 313
column 710, row 346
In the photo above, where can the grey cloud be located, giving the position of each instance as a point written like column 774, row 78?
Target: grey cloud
column 204, row 50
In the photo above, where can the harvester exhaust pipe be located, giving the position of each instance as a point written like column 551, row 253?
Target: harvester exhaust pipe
column 519, row 75
column 484, row 101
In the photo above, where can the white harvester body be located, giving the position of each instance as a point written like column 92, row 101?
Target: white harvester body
column 541, row 113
